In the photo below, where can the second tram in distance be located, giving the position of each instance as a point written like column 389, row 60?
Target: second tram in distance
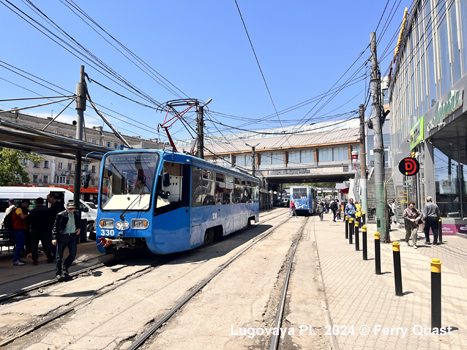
column 170, row 202
column 304, row 198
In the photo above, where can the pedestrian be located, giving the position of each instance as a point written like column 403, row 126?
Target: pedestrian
column 292, row 208
column 339, row 209
column 65, row 234
column 395, row 219
column 411, row 217
column 326, row 206
column 333, row 207
column 57, row 207
column 350, row 209
column 431, row 215
column 11, row 206
column 20, row 226
column 41, row 222
column 320, row 210
column 359, row 212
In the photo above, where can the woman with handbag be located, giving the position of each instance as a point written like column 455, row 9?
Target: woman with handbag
column 411, row 218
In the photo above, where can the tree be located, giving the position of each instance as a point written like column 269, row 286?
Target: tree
column 11, row 168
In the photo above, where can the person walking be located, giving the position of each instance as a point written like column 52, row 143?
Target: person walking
column 65, row 234
column 41, row 222
column 431, row 215
column 20, row 227
column 320, row 210
column 292, row 208
column 333, row 207
column 411, row 217
column 57, row 207
column 350, row 209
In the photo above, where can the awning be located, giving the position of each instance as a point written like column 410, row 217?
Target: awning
column 32, row 140
column 344, row 190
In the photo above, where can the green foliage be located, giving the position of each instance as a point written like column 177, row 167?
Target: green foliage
column 11, row 168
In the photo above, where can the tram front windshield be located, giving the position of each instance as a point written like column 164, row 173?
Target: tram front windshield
column 128, row 181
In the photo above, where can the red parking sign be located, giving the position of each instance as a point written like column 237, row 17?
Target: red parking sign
column 409, row 166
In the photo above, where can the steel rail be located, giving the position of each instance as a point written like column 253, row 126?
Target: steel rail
column 145, row 336
column 280, row 310
column 54, row 281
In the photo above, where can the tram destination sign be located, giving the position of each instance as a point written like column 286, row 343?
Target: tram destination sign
column 409, row 166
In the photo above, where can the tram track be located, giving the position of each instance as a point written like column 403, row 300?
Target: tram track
column 113, row 285
column 161, row 321
column 76, row 274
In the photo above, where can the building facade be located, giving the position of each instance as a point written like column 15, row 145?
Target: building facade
column 57, row 171
column 428, row 114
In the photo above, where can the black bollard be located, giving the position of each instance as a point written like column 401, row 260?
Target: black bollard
column 346, row 227
column 440, row 231
column 357, row 236
column 377, row 253
column 396, row 254
column 365, row 257
column 351, row 227
column 435, row 294
column 363, row 218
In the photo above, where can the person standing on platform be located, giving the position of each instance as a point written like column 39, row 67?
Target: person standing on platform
column 320, row 210
column 65, row 234
column 411, row 218
column 431, row 215
column 334, row 208
column 395, row 219
column 292, row 208
column 41, row 220
column 11, row 206
column 20, row 227
column 350, row 209
column 57, row 207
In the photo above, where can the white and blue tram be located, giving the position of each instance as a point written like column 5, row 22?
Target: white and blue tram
column 304, row 198
column 170, row 202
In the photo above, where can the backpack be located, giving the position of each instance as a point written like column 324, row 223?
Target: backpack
column 8, row 221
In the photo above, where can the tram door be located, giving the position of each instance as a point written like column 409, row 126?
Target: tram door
column 173, row 204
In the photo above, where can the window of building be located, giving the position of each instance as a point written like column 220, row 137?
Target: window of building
column 109, row 144
column 93, row 182
column 93, row 169
column 325, row 155
column 94, row 142
column 341, row 153
column 45, row 179
column 115, row 145
column 68, row 181
column 307, row 156
column 70, row 166
column 46, row 164
column 446, row 81
column 60, row 165
column 456, row 53
column 385, row 96
column 25, row 162
column 294, row 158
column 266, row 158
column 61, row 180
column 463, row 8
column 35, row 179
column 277, row 158
column 36, row 165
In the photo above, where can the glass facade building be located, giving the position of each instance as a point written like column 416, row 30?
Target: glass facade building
column 428, row 114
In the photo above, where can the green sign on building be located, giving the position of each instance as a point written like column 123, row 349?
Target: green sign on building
column 416, row 134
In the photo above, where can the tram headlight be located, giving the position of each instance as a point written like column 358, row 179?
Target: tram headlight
column 106, row 223
column 122, row 225
column 139, row 224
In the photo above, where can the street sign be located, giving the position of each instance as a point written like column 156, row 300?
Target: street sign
column 409, row 166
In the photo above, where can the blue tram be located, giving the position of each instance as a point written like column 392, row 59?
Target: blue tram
column 170, row 202
column 304, row 198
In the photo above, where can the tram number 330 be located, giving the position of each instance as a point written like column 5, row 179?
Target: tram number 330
column 107, row 233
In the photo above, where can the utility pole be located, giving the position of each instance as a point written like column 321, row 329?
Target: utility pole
column 200, row 132
column 80, row 108
column 253, row 160
column 378, row 151
column 364, row 197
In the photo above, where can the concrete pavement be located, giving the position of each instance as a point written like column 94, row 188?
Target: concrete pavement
column 367, row 302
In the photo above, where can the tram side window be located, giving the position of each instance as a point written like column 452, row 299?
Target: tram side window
column 222, row 194
column 176, row 193
column 203, row 186
column 237, row 192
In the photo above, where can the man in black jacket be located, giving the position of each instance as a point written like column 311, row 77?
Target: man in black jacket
column 41, row 220
column 65, row 234
column 334, row 210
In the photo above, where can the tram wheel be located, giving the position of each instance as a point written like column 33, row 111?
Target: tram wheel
column 209, row 236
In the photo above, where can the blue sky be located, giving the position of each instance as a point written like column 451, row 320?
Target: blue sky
column 201, row 47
